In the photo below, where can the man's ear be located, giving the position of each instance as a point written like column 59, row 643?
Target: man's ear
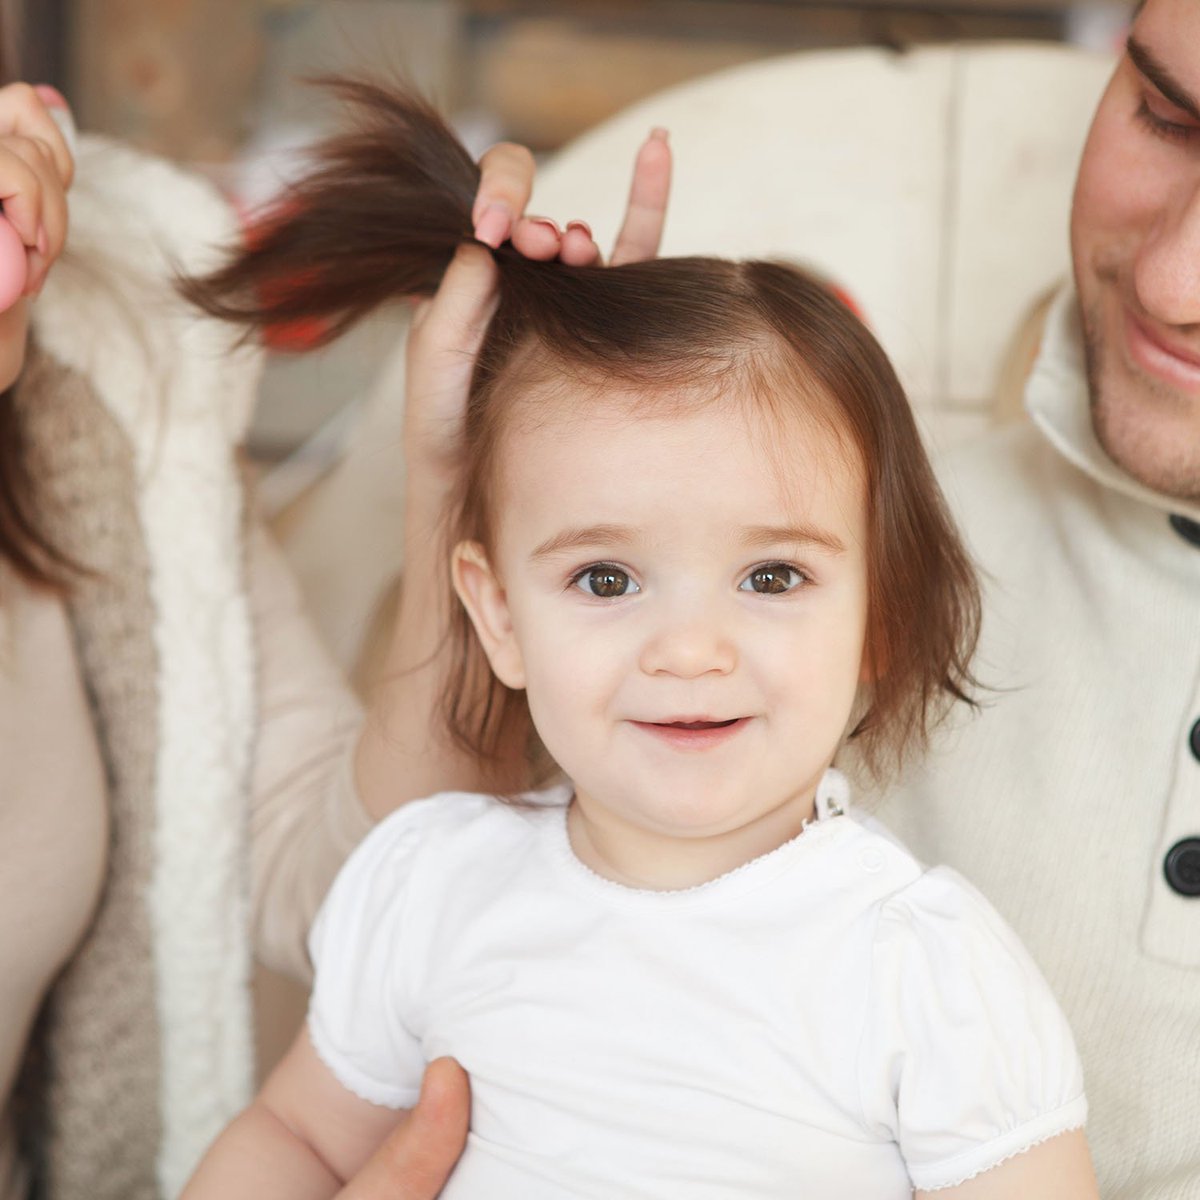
column 487, row 606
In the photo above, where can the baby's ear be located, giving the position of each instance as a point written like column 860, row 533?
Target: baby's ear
column 487, row 605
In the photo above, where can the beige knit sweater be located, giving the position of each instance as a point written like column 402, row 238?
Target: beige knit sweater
column 174, row 790
column 1061, row 800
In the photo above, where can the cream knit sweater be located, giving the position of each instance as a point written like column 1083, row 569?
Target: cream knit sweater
column 1062, row 798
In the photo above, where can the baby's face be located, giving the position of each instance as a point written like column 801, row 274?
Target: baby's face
column 684, row 598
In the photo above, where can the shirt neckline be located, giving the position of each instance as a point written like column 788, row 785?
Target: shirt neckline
column 825, row 829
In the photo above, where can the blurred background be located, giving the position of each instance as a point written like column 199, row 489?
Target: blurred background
column 217, row 85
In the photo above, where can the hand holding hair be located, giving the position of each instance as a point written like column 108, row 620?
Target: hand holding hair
column 506, row 183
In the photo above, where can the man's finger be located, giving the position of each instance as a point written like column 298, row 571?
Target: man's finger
column 416, row 1160
column 506, row 180
column 641, row 232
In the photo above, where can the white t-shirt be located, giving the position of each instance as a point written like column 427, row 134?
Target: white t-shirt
column 830, row 1020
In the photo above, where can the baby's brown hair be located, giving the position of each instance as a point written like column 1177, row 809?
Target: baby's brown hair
column 381, row 215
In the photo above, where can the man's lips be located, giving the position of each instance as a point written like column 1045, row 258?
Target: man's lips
column 1162, row 356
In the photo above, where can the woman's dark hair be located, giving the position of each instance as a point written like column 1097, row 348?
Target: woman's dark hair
column 381, row 215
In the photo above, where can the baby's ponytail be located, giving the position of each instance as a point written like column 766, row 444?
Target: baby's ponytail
column 377, row 217
column 380, row 216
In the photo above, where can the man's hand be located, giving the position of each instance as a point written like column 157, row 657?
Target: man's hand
column 416, row 1160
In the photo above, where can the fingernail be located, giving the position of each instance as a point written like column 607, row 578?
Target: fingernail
column 493, row 225
column 658, row 133
column 580, row 225
column 43, row 242
column 546, row 223
column 51, row 97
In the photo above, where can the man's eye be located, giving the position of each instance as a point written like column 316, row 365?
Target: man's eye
column 605, row 581
column 1172, row 130
column 771, row 579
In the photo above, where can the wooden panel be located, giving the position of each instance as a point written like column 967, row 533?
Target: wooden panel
column 548, row 71
column 173, row 76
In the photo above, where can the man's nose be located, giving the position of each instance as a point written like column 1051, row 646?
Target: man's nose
column 1167, row 268
column 689, row 644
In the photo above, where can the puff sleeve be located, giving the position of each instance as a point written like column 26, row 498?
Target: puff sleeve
column 357, row 1011
column 966, row 1058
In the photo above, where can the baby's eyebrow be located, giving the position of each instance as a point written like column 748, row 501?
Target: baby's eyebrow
column 801, row 535
column 591, row 535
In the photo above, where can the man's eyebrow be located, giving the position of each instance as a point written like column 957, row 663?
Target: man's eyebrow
column 1157, row 74
column 801, row 535
column 591, row 535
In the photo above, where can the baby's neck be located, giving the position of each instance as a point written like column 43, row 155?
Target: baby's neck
column 638, row 857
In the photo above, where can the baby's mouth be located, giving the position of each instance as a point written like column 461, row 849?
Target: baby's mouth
column 698, row 724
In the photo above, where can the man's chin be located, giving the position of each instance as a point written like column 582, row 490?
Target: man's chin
column 1148, row 428
column 1153, row 442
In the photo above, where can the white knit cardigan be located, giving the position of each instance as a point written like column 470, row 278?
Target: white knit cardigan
column 180, row 394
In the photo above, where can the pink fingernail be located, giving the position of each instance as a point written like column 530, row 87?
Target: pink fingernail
column 659, row 134
column 493, row 226
column 51, row 97
column 546, row 223
column 580, row 225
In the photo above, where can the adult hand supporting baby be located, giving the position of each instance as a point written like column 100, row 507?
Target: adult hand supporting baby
column 416, row 1160
column 444, row 340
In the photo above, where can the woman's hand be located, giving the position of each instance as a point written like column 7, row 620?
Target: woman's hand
column 448, row 330
column 36, row 169
column 403, row 751
column 416, row 1160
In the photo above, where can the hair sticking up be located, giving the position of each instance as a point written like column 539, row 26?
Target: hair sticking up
column 380, row 217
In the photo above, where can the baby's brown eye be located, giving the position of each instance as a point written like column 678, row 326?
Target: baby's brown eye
column 771, row 579
column 606, row 582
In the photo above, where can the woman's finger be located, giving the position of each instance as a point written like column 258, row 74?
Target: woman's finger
column 20, row 192
column 506, row 180
column 416, row 1160
column 646, row 213
column 24, row 112
column 457, row 316
column 537, row 237
column 445, row 338
column 38, row 156
column 579, row 248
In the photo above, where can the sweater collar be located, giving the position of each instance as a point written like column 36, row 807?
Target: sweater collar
column 1056, row 397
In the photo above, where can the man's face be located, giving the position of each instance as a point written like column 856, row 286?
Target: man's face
column 1135, row 238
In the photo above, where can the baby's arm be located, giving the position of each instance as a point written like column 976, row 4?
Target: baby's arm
column 1058, row 1169
column 302, row 1138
